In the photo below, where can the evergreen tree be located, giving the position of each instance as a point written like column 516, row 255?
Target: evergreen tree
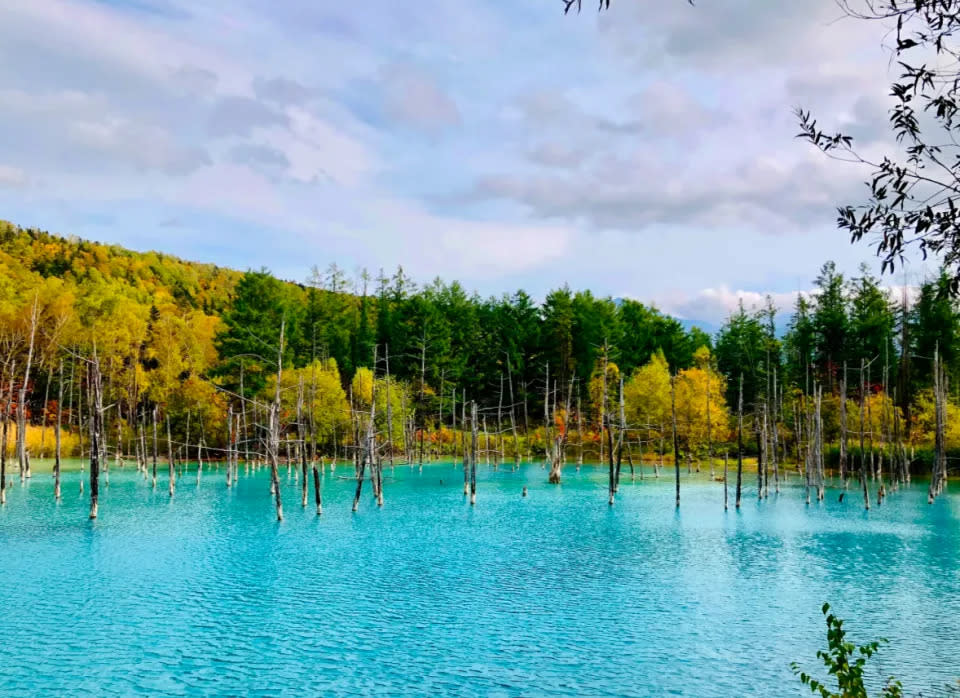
column 251, row 333
column 831, row 324
column 934, row 326
column 557, row 334
column 741, row 348
column 800, row 343
column 872, row 323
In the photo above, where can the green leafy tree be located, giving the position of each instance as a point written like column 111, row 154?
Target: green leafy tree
column 934, row 326
column 557, row 333
column 831, row 322
column 799, row 343
column 741, row 348
column 251, row 332
column 595, row 325
column 845, row 663
column 872, row 322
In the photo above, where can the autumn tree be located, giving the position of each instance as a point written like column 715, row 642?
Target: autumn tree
column 702, row 414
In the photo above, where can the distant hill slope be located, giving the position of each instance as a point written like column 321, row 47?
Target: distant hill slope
column 143, row 275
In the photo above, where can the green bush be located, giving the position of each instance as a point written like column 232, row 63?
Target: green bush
column 845, row 662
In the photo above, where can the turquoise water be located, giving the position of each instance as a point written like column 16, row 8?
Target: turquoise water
column 555, row 593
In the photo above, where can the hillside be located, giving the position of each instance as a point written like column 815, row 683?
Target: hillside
column 143, row 276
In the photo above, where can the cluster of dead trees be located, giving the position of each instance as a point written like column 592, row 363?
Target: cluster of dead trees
column 261, row 433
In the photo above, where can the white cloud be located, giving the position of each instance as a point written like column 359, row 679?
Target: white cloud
column 648, row 148
column 417, row 100
column 12, row 177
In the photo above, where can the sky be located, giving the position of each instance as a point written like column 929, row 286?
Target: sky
column 646, row 152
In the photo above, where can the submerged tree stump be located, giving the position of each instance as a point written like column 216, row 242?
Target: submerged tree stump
column 316, row 490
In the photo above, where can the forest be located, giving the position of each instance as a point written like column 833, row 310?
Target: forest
column 110, row 354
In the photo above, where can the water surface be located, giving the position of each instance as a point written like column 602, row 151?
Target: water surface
column 554, row 593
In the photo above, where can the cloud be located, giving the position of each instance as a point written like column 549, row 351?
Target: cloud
column 645, row 151
column 142, row 146
column 281, row 91
column 239, row 116
column 712, row 306
column 630, row 192
column 12, row 177
column 557, row 155
column 195, row 81
column 416, row 100
column 258, row 155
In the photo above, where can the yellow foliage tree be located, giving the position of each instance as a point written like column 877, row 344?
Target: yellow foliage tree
column 923, row 428
column 362, row 388
column 647, row 394
column 613, row 389
column 324, row 399
column 696, row 388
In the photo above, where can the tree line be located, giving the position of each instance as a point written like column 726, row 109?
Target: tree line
column 201, row 348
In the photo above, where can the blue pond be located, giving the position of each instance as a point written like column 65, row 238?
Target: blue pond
column 556, row 593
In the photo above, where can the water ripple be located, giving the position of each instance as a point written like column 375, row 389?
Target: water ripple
column 553, row 594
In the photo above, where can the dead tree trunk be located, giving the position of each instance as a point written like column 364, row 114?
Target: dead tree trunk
column 808, row 447
column 183, row 453
column 155, row 447
column 235, row 451
column 513, row 419
column 551, row 440
column 900, row 455
column 244, row 435
column 96, row 431
column 724, row 480
column 80, row 422
column 170, row 473
column 773, row 435
column 499, row 452
column 740, row 442
column 938, row 472
column 658, row 464
column 473, row 454
column 44, row 415
column 486, row 441
column 759, row 427
column 142, row 428
column 819, row 445
column 709, row 426
column 843, row 426
column 274, row 423
column 863, row 459
column 620, row 437
column 676, row 437
column 872, row 468
column 200, row 446
column 453, row 422
column 386, row 358
column 56, row 436
column 579, row 433
column 422, row 405
column 367, row 451
column 884, row 430
column 316, row 490
column 8, row 403
column 302, row 435
column 230, row 445
column 22, row 457
column 465, row 443
column 466, row 446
